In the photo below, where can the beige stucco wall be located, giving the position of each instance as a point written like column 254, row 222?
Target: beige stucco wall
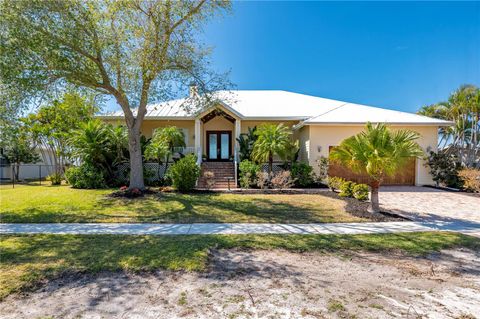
column 303, row 136
column 247, row 124
column 314, row 140
column 148, row 126
column 325, row 136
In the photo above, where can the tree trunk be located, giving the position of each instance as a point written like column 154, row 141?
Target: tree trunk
column 270, row 164
column 17, row 171
column 374, row 202
column 136, row 162
column 166, row 162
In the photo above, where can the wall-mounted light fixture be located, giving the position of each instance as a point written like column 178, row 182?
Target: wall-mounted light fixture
column 319, row 148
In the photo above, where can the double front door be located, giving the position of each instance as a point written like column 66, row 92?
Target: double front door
column 219, row 145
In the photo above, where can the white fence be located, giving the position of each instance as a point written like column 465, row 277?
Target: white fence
column 26, row 172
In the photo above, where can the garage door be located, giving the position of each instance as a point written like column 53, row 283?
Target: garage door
column 405, row 175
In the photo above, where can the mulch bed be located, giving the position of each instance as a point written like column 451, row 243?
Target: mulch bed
column 359, row 209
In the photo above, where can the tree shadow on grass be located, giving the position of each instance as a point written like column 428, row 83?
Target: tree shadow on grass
column 205, row 208
column 218, row 209
column 215, row 208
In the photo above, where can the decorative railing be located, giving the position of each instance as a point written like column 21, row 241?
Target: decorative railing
column 184, row 150
column 152, row 172
column 276, row 167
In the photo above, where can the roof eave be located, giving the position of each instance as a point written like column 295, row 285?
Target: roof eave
column 445, row 123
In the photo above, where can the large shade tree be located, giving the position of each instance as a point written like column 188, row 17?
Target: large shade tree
column 135, row 51
column 377, row 151
column 52, row 125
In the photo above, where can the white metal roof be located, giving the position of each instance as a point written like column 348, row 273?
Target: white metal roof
column 270, row 104
column 349, row 113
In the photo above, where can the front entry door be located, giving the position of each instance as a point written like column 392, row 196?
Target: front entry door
column 219, row 145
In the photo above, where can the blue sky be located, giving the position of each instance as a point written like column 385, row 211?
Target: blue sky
column 399, row 55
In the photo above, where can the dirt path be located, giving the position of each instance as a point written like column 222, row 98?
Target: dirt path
column 271, row 284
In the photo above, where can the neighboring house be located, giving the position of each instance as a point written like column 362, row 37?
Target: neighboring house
column 318, row 123
column 30, row 171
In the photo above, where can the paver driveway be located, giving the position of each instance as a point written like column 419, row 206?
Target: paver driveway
column 428, row 204
column 425, row 203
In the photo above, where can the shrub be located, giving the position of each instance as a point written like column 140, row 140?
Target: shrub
column 444, row 169
column 282, row 179
column 209, row 178
column 184, row 173
column 245, row 180
column 360, row 191
column 248, row 173
column 85, row 176
column 263, row 179
column 55, row 178
column 322, row 163
column 335, row 182
column 471, row 179
column 346, row 189
column 150, row 176
column 302, row 173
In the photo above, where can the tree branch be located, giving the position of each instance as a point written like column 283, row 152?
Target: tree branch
column 188, row 15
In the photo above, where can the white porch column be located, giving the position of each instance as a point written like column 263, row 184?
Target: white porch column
column 198, row 138
column 237, row 135
column 236, row 148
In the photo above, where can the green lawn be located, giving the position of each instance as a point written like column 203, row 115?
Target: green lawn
column 28, row 260
column 62, row 204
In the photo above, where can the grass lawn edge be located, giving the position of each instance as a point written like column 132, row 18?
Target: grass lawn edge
column 27, row 261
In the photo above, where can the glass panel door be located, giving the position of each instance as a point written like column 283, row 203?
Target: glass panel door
column 224, row 146
column 212, row 149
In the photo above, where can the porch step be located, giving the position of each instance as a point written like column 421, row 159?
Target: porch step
column 223, row 172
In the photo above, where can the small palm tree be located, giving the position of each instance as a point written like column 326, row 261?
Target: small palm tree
column 246, row 142
column 378, row 152
column 170, row 137
column 157, row 150
column 118, row 140
column 91, row 142
column 271, row 139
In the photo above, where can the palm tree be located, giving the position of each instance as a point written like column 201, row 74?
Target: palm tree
column 91, row 144
column 290, row 153
column 377, row 151
column 463, row 108
column 118, row 140
column 157, row 150
column 246, row 142
column 170, row 136
column 271, row 139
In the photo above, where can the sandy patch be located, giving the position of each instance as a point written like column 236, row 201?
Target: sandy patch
column 271, row 284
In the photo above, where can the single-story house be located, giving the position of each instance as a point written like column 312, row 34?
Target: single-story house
column 318, row 123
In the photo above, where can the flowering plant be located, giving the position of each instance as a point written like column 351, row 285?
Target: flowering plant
column 136, row 191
